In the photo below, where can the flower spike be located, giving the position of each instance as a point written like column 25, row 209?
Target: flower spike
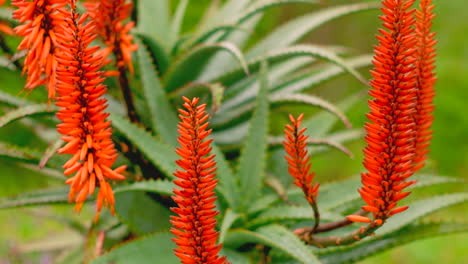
column 109, row 17
column 298, row 159
column 425, row 65
column 41, row 20
column 84, row 125
column 194, row 227
column 390, row 131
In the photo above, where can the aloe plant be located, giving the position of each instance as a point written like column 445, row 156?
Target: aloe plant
column 245, row 81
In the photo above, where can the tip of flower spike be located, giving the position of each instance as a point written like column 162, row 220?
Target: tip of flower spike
column 358, row 218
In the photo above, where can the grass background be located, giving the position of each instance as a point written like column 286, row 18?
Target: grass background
column 21, row 228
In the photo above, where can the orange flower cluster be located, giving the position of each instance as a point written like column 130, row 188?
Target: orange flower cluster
column 295, row 145
column 391, row 135
column 109, row 17
column 4, row 27
column 41, row 20
column 84, row 125
column 194, row 227
column 425, row 65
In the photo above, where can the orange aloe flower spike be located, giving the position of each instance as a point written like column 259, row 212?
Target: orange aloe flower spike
column 109, row 17
column 391, row 136
column 194, row 227
column 40, row 20
column 84, row 126
column 295, row 145
column 425, row 65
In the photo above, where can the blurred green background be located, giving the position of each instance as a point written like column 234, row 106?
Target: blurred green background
column 21, row 228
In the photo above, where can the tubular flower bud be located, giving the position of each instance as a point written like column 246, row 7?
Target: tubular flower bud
column 86, row 131
column 40, row 20
column 391, row 135
column 194, row 227
column 295, row 145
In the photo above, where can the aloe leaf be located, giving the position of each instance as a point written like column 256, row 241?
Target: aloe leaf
column 289, row 213
column 232, row 135
column 160, row 154
column 60, row 195
column 229, row 218
column 378, row 244
column 336, row 140
column 235, row 257
column 294, row 30
column 158, row 53
column 51, row 173
column 207, row 35
column 189, row 67
column 262, row 203
column 6, row 63
column 229, row 10
column 275, row 236
column 26, row 111
column 297, row 51
column 41, row 197
column 163, row 187
column 141, row 219
column 312, row 79
column 320, row 124
column 163, row 117
column 142, row 250
column 261, row 6
column 272, row 57
column 18, row 153
column 227, row 185
column 253, row 154
column 178, row 20
column 348, row 190
column 13, row 100
column 151, row 13
column 420, row 209
column 50, row 151
column 312, row 100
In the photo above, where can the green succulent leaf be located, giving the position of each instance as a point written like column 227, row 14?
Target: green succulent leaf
column 311, row 100
column 229, row 218
column 26, row 111
column 163, row 117
column 294, row 30
column 227, row 185
column 189, row 66
column 328, row 199
column 163, row 187
column 207, row 35
column 151, row 13
column 253, row 155
column 158, row 54
column 140, row 213
column 41, row 197
column 275, row 236
column 50, row 152
column 60, row 195
column 157, row 246
column 290, row 213
column 420, row 209
column 235, row 257
column 378, row 244
column 160, row 154
column 178, row 19
column 311, row 79
column 261, row 6
column 12, row 100
column 320, row 124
